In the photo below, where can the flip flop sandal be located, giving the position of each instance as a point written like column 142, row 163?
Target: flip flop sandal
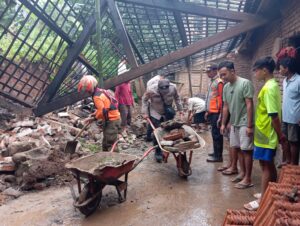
column 222, row 168
column 236, row 179
column 229, row 172
column 257, row 195
column 252, row 206
column 243, row 186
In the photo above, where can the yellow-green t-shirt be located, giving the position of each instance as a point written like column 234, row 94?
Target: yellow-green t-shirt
column 268, row 104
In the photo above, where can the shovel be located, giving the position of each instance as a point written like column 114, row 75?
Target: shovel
column 71, row 145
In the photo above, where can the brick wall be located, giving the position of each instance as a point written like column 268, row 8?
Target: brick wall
column 283, row 28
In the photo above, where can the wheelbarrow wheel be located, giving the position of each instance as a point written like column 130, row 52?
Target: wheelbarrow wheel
column 89, row 208
column 185, row 169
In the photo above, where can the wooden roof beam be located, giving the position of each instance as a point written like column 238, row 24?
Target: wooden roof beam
column 194, row 9
column 185, row 52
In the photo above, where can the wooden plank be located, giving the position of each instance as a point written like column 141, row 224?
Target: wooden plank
column 73, row 53
column 194, row 9
column 58, row 103
column 122, row 33
column 185, row 52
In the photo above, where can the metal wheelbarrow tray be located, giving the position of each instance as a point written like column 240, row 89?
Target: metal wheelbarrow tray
column 183, row 160
column 101, row 169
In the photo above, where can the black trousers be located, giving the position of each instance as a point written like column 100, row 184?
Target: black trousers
column 216, row 135
column 156, row 124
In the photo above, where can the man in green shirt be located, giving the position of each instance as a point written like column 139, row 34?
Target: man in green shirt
column 267, row 124
column 238, row 102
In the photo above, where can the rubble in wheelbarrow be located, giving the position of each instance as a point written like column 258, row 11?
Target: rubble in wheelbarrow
column 176, row 138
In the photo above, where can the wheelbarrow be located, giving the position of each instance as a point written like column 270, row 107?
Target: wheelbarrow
column 99, row 170
column 183, row 157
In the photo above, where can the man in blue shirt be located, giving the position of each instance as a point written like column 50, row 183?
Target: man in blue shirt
column 291, row 108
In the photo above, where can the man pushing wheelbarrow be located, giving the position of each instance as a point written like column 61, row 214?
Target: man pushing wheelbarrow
column 106, row 110
column 157, row 107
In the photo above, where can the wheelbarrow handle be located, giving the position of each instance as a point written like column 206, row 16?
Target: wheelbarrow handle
column 151, row 124
column 146, row 153
column 114, row 146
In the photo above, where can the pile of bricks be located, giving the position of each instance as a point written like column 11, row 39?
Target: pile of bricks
column 280, row 204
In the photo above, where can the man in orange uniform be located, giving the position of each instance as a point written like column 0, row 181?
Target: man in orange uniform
column 213, row 111
column 107, row 110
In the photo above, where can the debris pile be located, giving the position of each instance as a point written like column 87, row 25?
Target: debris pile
column 176, row 138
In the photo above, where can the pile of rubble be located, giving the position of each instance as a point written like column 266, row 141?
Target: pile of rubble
column 176, row 138
column 32, row 152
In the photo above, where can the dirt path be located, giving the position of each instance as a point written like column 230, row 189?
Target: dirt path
column 156, row 196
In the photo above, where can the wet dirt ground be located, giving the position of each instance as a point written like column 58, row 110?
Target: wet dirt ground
column 156, row 196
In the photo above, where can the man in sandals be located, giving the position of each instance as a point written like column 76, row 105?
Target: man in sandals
column 238, row 102
column 267, row 124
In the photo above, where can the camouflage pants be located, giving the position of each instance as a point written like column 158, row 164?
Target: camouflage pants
column 111, row 129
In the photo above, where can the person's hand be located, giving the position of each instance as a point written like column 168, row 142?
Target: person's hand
column 222, row 129
column 249, row 131
column 219, row 122
column 284, row 143
column 206, row 116
column 89, row 120
column 181, row 115
column 145, row 116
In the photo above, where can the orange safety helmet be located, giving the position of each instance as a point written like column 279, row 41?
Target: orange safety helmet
column 87, row 83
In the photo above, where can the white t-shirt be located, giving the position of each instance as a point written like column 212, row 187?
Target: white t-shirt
column 196, row 104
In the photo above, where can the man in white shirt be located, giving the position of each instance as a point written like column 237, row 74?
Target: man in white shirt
column 196, row 110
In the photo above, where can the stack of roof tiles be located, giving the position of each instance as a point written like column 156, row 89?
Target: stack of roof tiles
column 280, row 204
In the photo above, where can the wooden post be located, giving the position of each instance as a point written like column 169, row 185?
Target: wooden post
column 98, row 38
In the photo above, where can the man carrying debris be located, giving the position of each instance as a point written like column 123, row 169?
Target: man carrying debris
column 106, row 110
column 238, row 102
column 196, row 110
column 157, row 106
column 213, row 110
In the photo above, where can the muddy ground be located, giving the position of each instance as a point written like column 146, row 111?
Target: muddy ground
column 156, row 196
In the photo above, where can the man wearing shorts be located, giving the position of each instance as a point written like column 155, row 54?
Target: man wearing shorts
column 291, row 107
column 238, row 102
column 267, row 131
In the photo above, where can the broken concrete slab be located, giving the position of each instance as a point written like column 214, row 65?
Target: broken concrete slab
column 20, row 146
column 12, row 192
column 10, row 178
column 63, row 115
column 36, row 154
column 4, row 152
column 24, row 132
column 7, row 164
column 26, row 123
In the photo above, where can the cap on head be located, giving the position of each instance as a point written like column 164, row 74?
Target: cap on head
column 211, row 67
column 163, row 84
column 87, row 83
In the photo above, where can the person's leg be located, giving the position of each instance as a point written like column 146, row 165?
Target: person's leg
column 123, row 112
column 247, row 155
column 111, row 134
column 104, row 140
column 217, row 140
column 241, row 163
column 158, row 152
column 293, row 138
column 248, row 163
column 129, row 114
column 294, row 148
column 286, row 154
column 269, row 174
